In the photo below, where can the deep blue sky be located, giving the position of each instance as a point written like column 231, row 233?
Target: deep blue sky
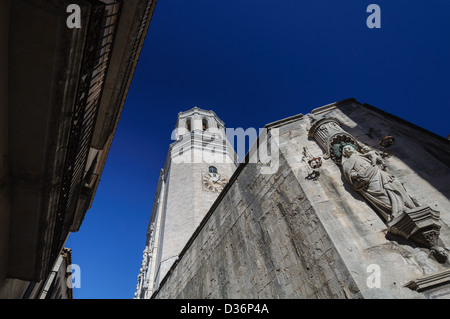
column 253, row 62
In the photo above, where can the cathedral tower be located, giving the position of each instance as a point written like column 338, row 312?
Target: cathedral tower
column 198, row 166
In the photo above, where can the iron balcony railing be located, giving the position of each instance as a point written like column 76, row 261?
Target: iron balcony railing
column 131, row 61
column 102, row 28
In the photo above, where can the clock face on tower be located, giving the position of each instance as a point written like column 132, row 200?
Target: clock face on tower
column 214, row 182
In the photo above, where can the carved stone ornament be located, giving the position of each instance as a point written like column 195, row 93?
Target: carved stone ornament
column 421, row 226
column 387, row 141
column 365, row 171
column 329, row 134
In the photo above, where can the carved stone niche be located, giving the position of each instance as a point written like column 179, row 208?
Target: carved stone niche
column 329, row 133
column 417, row 224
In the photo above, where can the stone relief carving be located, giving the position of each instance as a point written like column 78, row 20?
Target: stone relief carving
column 365, row 171
column 147, row 254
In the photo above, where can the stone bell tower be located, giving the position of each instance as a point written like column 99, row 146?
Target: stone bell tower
column 198, row 166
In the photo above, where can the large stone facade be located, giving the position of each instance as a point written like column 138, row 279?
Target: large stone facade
column 304, row 232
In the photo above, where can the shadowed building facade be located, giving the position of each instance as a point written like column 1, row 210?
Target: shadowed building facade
column 61, row 93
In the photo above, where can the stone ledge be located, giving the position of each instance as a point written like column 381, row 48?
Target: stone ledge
column 430, row 281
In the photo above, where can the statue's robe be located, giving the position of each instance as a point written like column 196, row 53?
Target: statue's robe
column 386, row 194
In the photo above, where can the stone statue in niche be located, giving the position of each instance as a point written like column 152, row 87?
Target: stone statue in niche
column 365, row 170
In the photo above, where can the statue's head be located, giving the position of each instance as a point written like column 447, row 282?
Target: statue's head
column 345, row 149
column 440, row 254
column 348, row 150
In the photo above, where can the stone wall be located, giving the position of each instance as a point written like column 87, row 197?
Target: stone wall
column 263, row 240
